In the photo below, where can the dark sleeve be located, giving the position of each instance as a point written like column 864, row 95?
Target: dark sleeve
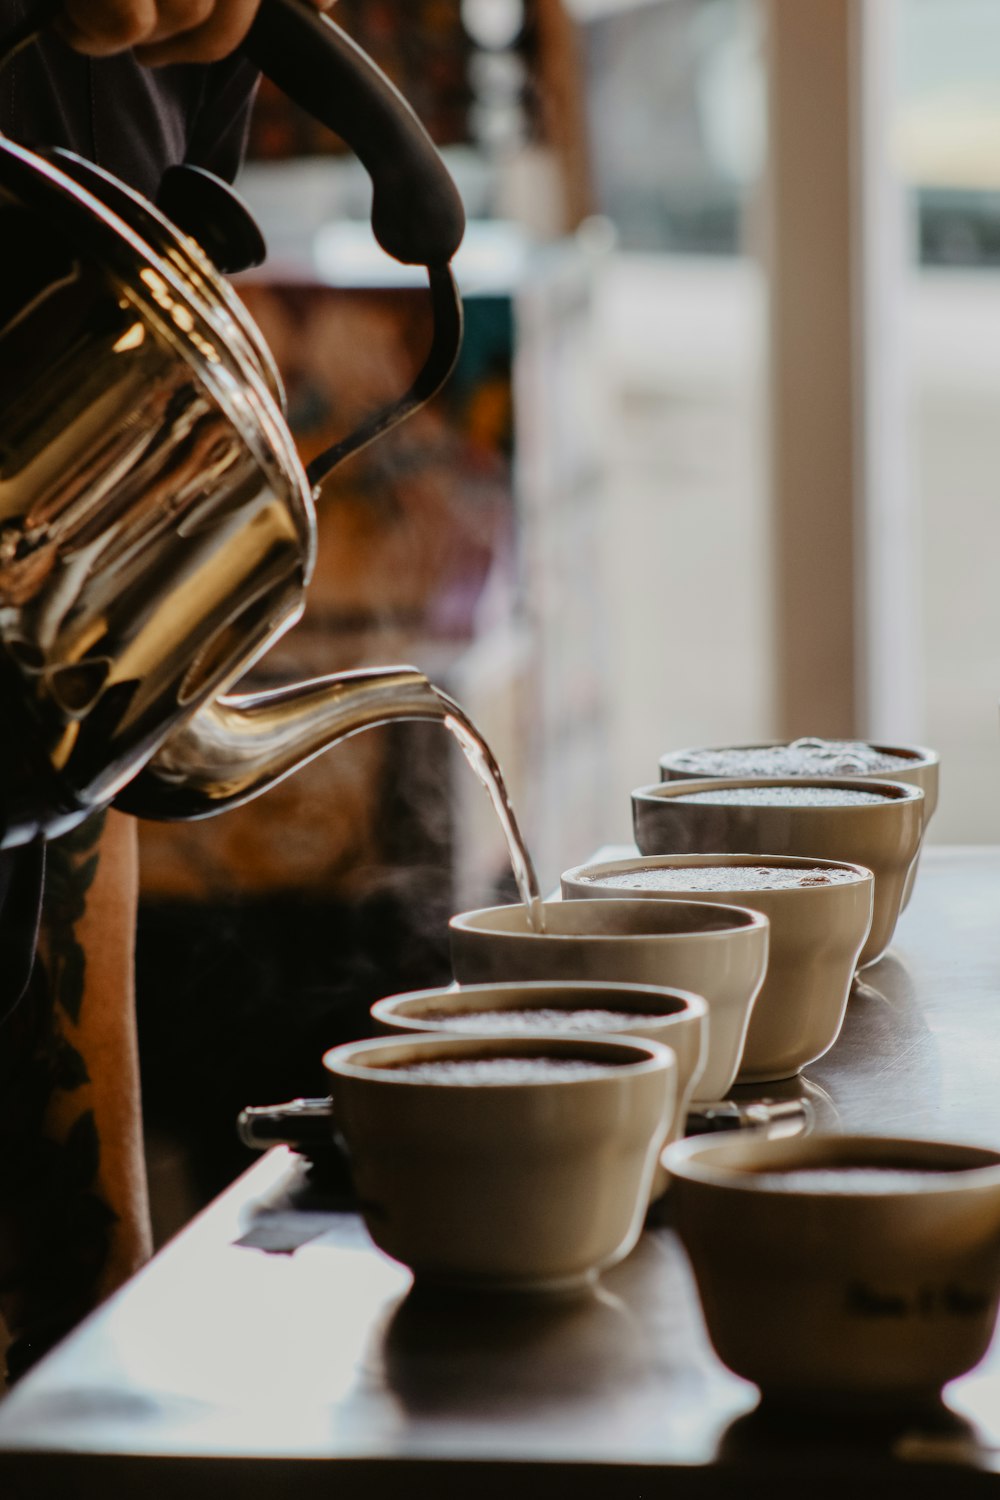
column 131, row 120
column 218, row 136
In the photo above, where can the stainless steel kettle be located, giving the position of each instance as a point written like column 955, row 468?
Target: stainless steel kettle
column 157, row 531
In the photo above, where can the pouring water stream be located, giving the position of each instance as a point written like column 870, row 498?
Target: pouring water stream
column 486, row 767
column 238, row 745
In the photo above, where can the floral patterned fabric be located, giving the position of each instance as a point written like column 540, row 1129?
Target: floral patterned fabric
column 73, row 1209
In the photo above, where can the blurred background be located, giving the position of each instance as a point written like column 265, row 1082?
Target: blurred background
column 718, row 464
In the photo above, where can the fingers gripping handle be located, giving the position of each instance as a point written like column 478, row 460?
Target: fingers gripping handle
column 417, row 214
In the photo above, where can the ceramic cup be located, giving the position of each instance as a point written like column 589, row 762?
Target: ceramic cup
column 713, row 950
column 503, row 1162
column 817, row 933
column 914, row 764
column 802, row 816
column 675, row 1017
column 842, row 1269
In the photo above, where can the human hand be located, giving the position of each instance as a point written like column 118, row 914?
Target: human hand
column 161, row 31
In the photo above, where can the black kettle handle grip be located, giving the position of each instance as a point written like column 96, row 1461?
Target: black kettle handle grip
column 417, row 213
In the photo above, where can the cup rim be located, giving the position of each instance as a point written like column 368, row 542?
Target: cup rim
column 746, row 920
column 692, row 1160
column 722, row 858
column 893, row 792
column 652, row 1057
column 550, row 994
column 920, row 755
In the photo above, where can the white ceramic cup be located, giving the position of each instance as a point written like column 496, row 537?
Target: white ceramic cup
column 884, row 835
column 817, row 934
column 713, row 950
column 532, row 1182
column 674, row 1017
column 842, row 1270
column 920, row 767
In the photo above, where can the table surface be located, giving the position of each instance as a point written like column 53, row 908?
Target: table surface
column 270, row 1336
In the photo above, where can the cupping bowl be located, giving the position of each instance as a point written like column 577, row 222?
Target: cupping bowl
column 487, row 1161
column 674, row 1017
column 839, row 1270
column 817, row 934
column 713, row 950
column 791, row 817
column 919, row 766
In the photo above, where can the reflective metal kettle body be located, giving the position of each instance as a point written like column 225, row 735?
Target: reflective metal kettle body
column 157, row 530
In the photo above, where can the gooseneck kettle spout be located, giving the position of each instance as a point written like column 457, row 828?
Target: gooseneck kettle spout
column 239, row 746
column 157, row 528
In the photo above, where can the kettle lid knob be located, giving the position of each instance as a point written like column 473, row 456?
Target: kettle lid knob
column 206, row 208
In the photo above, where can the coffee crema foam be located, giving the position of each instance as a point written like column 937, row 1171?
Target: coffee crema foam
column 540, row 1019
column 863, row 1181
column 805, row 757
column 500, row 1070
column 785, row 796
column 719, row 878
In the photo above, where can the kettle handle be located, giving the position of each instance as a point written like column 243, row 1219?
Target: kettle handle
column 417, row 213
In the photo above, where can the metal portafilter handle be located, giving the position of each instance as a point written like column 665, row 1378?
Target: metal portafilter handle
column 303, row 1124
column 307, row 1124
column 778, row 1117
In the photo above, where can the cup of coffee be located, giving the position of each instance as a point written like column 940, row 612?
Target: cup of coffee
column 713, row 950
column 839, row 1271
column 674, row 1017
column 510, row 1162
column 820, row 913
column 877, row 824
column 914, row 764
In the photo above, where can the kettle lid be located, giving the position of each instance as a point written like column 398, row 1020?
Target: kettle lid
column 175, row 290
column 185, row 250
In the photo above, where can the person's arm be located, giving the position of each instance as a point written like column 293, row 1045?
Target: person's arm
column 161, row 31
column 74, row 1220
column 73, row 1202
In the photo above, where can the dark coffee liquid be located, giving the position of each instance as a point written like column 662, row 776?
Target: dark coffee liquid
column 484, row 763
